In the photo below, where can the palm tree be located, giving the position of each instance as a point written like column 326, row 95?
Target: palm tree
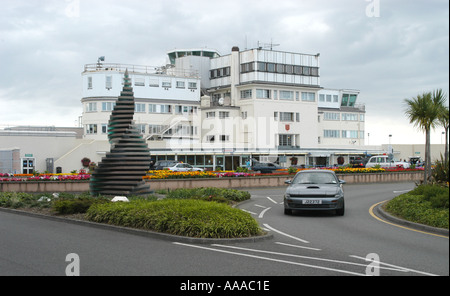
column 444, row 120
column 423, row 111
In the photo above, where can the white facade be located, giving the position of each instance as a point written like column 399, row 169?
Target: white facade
column 217, row 112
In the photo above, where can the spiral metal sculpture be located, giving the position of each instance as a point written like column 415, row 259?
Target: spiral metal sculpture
column 120, row 172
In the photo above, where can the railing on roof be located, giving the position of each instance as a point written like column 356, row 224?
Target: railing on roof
column 139, row 69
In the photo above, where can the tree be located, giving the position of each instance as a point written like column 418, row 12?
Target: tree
column 423, row 111
column 444, row 121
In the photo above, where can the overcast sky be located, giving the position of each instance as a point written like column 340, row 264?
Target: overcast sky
column 388, row 49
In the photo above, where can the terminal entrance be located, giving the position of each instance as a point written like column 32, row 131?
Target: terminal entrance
column 28, row 165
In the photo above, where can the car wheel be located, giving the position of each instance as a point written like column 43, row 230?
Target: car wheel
column 341, row 212
column 287, row 212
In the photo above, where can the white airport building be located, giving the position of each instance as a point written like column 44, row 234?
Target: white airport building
column 210, row 110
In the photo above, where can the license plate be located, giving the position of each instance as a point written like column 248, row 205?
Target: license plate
column 312, row 201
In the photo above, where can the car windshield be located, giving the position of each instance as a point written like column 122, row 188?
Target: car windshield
column 314, row 178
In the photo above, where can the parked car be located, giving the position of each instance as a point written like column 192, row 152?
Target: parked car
column 315, row 190
column 386, row 161
column 265, row 167
column 359, row 162
column 163, row 164
column 183, row 167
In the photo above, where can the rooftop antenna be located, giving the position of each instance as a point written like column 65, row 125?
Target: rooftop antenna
column 270, row 45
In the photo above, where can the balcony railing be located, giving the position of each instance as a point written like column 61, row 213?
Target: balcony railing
column 139, row 69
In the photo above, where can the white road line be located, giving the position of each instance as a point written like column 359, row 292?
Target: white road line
column 263, row 212
column 296, row 246
column 249, row 212
column 269, row 259
column 272, row 200
column 259, row 206
column 399, row 268
column 305, row 257
column 285, row 234
column 401, row 191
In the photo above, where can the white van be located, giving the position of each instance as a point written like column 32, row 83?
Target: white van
column 385, row 161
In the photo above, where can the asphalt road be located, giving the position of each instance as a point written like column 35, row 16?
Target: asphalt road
column 302, row 244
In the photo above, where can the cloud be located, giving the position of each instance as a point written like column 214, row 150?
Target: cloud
column 45, row 44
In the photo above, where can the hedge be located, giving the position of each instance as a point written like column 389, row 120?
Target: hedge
column 187, row 217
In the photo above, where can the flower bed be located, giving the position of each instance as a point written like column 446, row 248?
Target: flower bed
column 167, row 174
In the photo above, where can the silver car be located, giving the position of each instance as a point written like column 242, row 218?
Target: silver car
column 318, row 190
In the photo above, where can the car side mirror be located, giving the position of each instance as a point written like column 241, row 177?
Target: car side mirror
column 288, row 182
column 342, row 182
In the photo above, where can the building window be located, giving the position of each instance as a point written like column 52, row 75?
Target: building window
column 308, row 96
column 210, row 139
column 141, row 128
column 91, row 129
column 331, row 116
column 224, row 114
column 246, row 94
column 287, row 116
column 139, row 107
column 91, row 107
column 285, row 140
column 139, row 81
column 350, row 134
column 167, row 84
column 108, row 106
column 89, row 82
column 192, row 85
column 331, row 133
column 224, row 138
column 104, row 128
column 263, row 93
column 155, row 108
column 210, row 114
column 349, row 117
column 286, row 95
column 180, row 84
column 108, row 83
column 154, row 83
column 244, row 115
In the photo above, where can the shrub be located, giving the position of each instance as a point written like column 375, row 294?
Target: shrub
column 440, row 173
column 210, row 193
column 426, row 204
column 192, row 218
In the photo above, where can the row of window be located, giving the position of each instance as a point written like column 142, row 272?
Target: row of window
column 142, row 108
column 279, row 68
column 151, row 129
column 345, row 134
column 334, row 116
column 267, row 67
column 152, row 82
column 285, row 95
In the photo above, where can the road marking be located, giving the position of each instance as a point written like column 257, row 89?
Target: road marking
column 399, row 268
column 400, row 226
column 401, row 191
column 272, row 200
column 260, row 206
column 296, row 246
column 249, row 212
column 270, row 259
column 263, row 212
column 285, row 234
column 306, row 257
